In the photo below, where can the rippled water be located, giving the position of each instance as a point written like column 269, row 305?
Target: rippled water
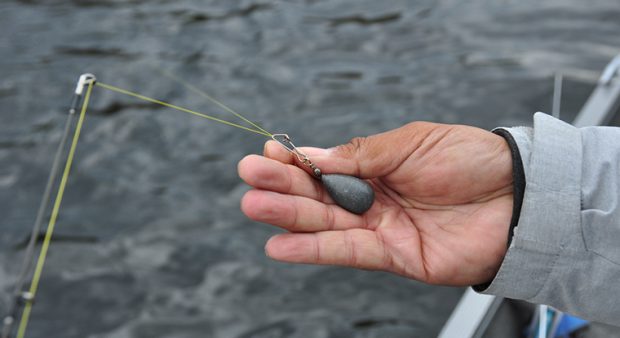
column 151, row 242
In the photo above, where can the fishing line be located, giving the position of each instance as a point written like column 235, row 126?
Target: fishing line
column 350, row 193
column 207, row 96
column 189, row 111
column 52, row 222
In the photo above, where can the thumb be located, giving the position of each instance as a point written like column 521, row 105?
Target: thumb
column 372, row 156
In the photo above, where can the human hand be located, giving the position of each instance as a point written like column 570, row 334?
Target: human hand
column 442, row 210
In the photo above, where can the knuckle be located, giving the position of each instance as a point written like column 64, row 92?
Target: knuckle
column 354, row 147
column 351, row 250
column 329, row 219
column 357, row 144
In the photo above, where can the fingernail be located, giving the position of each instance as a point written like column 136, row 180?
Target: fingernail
column 267, row 244
column 266, row 146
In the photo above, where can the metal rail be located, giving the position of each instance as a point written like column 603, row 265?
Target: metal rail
column 604, row 100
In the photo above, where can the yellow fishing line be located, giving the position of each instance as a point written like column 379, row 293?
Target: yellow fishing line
column 208, row 97
column 52, row 222
column 169, row 105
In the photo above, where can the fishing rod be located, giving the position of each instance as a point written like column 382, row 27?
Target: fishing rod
column 350, row 193
column 20, row 296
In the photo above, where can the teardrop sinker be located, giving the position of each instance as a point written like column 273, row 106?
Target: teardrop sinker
column 349, row 192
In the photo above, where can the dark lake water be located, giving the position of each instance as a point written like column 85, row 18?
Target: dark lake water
column 155, row 243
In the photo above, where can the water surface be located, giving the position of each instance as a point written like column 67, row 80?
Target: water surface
column 155, row 244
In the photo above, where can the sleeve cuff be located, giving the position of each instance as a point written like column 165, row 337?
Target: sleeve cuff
column 518, row 179
column 550, row 206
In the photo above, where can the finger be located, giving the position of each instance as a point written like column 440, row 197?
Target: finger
column 268, row 174
column 357, row 248
column 276, row 151
column 296, row 213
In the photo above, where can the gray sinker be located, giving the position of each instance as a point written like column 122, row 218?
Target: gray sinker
column 351, row 193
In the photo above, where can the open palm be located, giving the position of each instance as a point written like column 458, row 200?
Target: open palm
column 442, row 209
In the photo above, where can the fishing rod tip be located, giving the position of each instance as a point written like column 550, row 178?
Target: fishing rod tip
column 83, row 80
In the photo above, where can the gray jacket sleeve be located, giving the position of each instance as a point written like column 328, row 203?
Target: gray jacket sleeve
column 565, row 249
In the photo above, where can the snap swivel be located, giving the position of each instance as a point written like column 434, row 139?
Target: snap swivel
column 286, row 142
